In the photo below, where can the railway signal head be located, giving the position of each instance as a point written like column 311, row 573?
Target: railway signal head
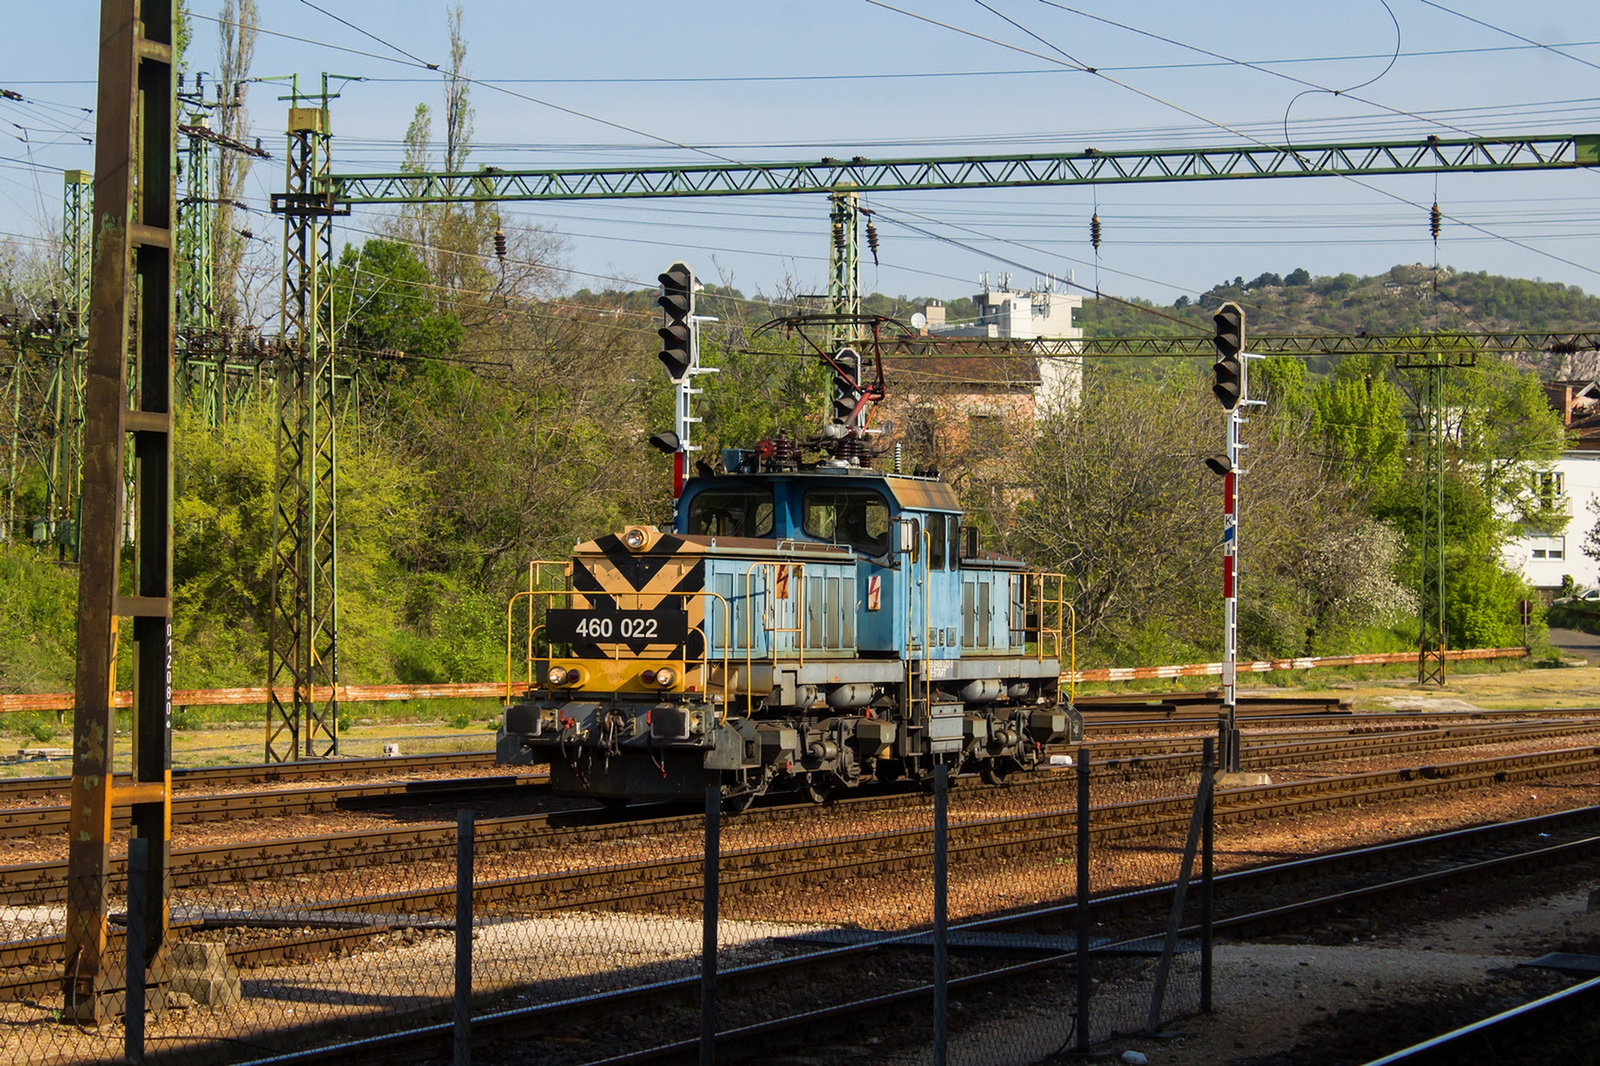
column 1229, row 368
column 846, row 392
column 677, row 336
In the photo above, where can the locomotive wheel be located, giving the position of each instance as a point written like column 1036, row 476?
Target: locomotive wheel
column 817, row 792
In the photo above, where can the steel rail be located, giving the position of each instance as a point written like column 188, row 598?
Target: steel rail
column 404, row 907
column 262, row 773
column 1453, row 1046
column 666, row 882
column 1096, row 717
column 1267, row 750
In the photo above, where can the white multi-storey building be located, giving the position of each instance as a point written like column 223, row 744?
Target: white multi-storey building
column 1041, row 315
column 1546, row 557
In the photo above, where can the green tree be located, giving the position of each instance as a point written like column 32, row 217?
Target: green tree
column 383, row 302
column 1357, row 415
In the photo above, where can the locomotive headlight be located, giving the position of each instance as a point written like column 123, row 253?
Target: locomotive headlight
column 665, row 677
column 560, row 675
column 635, row 539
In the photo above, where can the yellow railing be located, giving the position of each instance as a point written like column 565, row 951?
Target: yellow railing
column 705, row 649
column 533, row 631
column 911, row 562
column 1065, row 631
column 771, row 615
column 536, row 573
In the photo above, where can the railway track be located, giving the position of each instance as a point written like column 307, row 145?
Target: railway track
column 1384, row 873
column 1157, row 717
column 1267, row 750
column 1511, row 1034
column 32, row 884
column 669, row 882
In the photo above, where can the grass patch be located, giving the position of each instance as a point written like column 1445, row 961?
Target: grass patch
column 1572, row 616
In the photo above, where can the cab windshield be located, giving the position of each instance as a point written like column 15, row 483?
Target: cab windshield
column 731, row 513
column 857, row 517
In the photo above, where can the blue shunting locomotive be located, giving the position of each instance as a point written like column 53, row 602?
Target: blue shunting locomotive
column 802, row 628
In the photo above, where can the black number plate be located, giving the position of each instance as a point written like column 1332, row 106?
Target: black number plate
column 564, row 626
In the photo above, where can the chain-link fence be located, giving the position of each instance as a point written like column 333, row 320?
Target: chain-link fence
column 937, row 924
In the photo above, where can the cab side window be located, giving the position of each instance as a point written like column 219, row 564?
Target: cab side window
column 857, row 517
column 724, row 513
column 936, row 541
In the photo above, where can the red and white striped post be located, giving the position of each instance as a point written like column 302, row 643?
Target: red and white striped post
column 1231, row 390
column 1228, row 728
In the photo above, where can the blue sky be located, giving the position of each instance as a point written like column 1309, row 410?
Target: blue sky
column 778, row 80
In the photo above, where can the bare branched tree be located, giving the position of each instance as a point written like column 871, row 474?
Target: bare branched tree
column 236, row 49
column 457, row 108
column 1117, row 496
column 454, row 242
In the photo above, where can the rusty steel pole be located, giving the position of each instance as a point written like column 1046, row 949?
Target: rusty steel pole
column 130, row 338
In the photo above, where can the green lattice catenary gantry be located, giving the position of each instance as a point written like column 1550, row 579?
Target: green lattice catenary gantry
column 1431, row 155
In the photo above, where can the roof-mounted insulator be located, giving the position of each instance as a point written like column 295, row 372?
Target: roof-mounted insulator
column 1435, row 222
column 838, row 236
column 1094, row 232
column 500, row 245
column 872, row 240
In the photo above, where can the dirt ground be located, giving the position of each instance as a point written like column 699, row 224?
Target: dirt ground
column 1284, row 1004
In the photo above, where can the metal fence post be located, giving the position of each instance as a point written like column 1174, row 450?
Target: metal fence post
column 1082, row 1023
column 941, row 917
column 138, row 932
column 708, row 927
column 1169, row 946
column 1207, row 867
column 463, row 1004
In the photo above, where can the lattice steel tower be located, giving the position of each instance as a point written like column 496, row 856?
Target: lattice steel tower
column 303, row 652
